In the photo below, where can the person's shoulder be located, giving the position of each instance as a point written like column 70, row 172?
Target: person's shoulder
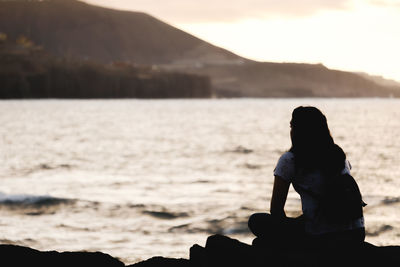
column 347, row 167
column 286, row 159
column 287, row 156
column 285, row 167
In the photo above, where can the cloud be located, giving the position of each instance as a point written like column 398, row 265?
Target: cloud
column 195, row 11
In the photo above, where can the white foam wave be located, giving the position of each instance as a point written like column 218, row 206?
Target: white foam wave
column 25, row 199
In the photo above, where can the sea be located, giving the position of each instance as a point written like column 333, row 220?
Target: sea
column 143, row 178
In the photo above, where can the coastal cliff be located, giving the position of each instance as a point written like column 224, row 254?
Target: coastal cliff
column 218, row 251
column 28, row 71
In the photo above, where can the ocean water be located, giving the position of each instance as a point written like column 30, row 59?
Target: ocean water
column 139, row 178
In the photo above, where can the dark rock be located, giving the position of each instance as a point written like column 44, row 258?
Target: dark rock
column 164, row 262
column 224, row 251
column 12, row 255
column 218, row 251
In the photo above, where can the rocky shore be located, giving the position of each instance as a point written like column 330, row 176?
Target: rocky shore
column 218, row 251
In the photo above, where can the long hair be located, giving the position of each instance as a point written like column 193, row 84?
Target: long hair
column 312, row 144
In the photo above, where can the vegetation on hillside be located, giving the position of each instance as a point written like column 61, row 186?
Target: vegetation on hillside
column 27, row 71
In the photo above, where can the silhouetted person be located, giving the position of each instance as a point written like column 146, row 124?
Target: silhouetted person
column 312, row 161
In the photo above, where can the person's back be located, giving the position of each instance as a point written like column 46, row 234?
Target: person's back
column 310, row 185
column 311, row 164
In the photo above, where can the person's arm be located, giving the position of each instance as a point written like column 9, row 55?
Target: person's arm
column 279, row 195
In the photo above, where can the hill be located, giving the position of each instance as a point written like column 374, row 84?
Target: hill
column 73, row 29
column 380, row 80
column 263, row 79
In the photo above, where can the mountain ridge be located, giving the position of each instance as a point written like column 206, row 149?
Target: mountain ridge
column 96, row 33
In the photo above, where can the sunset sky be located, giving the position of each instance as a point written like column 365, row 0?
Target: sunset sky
column 352, row 35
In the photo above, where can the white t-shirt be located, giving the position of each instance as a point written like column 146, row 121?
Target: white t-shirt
column 312, row 181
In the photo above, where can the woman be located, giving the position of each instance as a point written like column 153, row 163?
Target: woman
column 312, row 161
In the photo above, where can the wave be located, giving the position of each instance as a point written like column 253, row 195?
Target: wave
column 225, row 226
column 239, row 228
column 23, row 242
column 252, row 166
column 241, row 150
column 380, row 230
column 156, row 211
column 45, row 166
column 165, row 214
column 31, row 200
column 391, row 200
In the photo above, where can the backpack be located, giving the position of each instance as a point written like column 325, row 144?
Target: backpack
column 341, row 200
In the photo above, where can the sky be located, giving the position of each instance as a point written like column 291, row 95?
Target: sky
column 350, row 35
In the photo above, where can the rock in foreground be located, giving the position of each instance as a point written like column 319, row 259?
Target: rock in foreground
column 224, row 251
column 12, row 255
column 218, row 251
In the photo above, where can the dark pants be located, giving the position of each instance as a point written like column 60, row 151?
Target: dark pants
column 277, row 232
column 289, row 232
